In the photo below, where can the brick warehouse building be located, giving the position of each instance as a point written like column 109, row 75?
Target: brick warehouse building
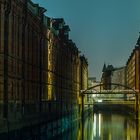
column 40, row 73
column 133, row 68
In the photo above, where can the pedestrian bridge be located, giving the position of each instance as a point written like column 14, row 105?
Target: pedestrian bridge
column 117, row 98
column 126, row 94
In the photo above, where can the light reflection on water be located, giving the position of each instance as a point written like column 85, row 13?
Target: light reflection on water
column 107, row 126
column 103, row 126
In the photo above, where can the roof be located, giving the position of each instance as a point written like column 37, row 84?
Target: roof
column 104, row 68
column 35, row 8
column 132, row 53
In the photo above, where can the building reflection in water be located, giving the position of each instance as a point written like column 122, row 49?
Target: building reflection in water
column 111, row 127
column 104, row 126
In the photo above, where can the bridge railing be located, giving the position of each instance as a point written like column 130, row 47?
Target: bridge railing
column 109, row 91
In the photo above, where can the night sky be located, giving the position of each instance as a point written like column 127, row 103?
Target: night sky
column 104, row 30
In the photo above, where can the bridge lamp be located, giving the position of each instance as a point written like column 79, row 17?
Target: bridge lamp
column 99, row 101
column 93, row 95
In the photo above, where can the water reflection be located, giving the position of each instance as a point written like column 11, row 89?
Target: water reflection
column 107, row 126
column 103, row 126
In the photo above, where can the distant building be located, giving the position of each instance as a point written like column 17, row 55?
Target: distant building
column 106, row 76
column 113, row 75
column 91, row 81
column 118, row 76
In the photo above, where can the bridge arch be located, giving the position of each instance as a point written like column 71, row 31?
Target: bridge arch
column 115, row 84
column 135, row 92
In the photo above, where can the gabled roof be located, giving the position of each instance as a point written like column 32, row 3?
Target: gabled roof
column 104, row 68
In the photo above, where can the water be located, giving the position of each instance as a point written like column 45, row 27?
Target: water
column 104, row 126
column 108, row 126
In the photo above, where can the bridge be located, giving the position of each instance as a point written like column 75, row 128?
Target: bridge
column 127, row 97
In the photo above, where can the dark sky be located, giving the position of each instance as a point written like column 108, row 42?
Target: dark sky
column 104, row 30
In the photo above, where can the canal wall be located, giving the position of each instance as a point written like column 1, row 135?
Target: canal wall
column 88, row 110
column 40, row 127
column 45, row 128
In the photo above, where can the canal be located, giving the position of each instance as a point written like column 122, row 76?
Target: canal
column 103, row 126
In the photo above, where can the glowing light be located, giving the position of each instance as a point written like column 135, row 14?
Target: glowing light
column 99, row 101
column 95, row 121
column 99, row 125
column 93, row 95
column 49, row 92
